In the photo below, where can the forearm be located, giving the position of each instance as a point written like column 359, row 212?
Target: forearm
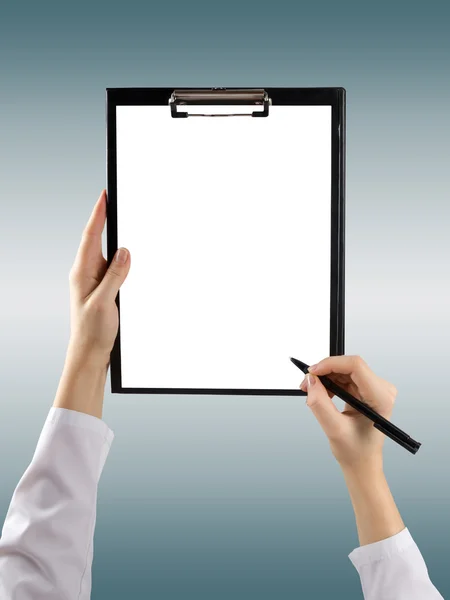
column 82, row 384
column 376, row 513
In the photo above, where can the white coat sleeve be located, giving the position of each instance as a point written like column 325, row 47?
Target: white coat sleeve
column 46, row 547
column 393, row 569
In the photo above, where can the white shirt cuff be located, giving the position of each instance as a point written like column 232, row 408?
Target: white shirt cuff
column 370, row 553
column 79, row 419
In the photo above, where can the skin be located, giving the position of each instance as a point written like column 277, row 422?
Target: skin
column 354, row 442
column 94, row 319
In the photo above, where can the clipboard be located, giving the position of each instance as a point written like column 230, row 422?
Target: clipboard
column 236, row 230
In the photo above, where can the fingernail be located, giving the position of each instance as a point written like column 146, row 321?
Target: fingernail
column 312, row 368
column 303, row 383
column 121, row 256
column 311, row 380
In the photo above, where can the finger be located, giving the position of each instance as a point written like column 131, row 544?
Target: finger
column 304, row 387
column 345, row 365
column 114, row 277
column 323, row 408
column 96, row 222
column 376, row 392
column 90, row 249
column 352, row 366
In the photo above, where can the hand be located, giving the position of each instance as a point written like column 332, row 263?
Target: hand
column 353, row 439
column 94, row 319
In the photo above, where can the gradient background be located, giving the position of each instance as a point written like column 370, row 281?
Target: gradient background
column 219, row 497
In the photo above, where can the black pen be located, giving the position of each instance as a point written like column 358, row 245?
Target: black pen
column 380, row 422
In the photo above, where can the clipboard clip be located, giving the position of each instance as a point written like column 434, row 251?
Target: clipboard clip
column 219, row 96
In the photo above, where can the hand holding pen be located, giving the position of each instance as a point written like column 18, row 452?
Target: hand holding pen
column 353, row 438
column 355, row 443
column 379, row 421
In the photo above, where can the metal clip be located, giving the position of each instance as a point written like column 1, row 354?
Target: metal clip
column 219, row 96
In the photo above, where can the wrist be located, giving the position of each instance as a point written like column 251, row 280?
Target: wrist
column 79, row 356
column 377, row 516
column 82, row 385
column 364, row 471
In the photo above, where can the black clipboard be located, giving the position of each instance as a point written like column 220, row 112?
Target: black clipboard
column 181, row 104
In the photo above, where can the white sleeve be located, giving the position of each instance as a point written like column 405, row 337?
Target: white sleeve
column 393, row 569
column 46, row 547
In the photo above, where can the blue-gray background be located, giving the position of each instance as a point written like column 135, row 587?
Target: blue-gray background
column 219, row 497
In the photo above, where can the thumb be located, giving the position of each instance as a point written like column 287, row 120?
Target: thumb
column 322, row 406
column 114, row 276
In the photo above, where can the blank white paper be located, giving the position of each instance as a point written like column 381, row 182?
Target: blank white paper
column 228, row 222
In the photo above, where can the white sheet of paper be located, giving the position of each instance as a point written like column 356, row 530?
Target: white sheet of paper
column 228, row 222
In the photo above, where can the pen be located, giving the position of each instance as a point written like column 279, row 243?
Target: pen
column 379, row 422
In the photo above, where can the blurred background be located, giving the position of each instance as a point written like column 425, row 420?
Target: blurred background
column 233, row 497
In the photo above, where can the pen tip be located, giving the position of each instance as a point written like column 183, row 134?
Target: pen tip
column 298, row 363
